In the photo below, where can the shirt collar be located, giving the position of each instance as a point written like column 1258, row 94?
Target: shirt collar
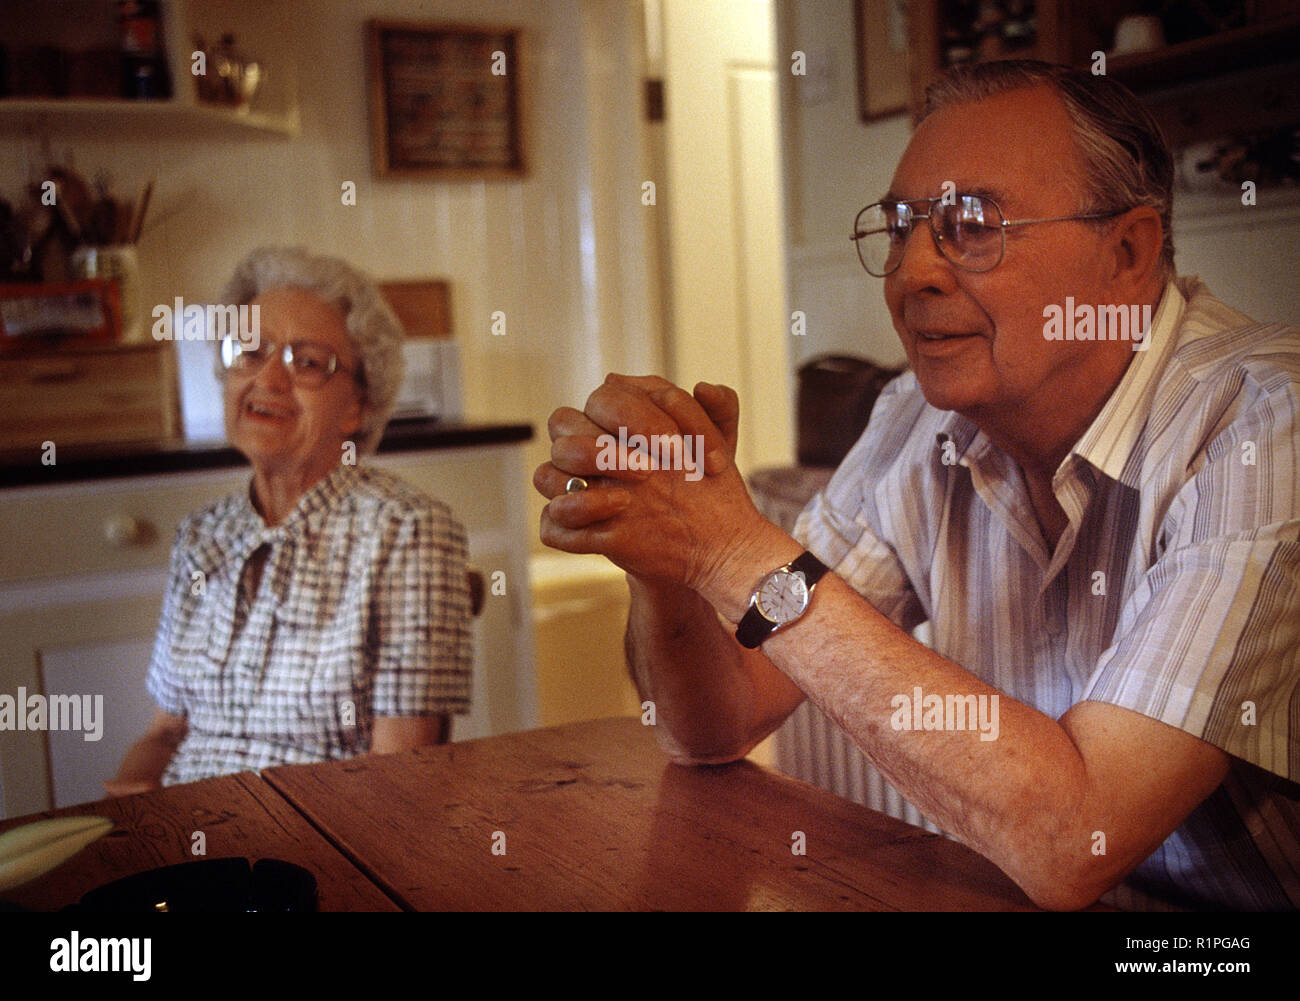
column 1113, row 434
column 1110, row 438
column 316, row 503
column 242, row 531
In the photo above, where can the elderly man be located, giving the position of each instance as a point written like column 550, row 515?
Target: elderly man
column 1103, row 533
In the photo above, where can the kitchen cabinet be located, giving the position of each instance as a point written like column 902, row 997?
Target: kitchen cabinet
column 1231, row 81
column 84, row 565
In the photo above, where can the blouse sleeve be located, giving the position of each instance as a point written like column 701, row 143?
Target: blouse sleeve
column 161, row 681
column 421, row 618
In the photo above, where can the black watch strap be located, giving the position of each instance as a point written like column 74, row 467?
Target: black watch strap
column 812, row 568
column 754, row 626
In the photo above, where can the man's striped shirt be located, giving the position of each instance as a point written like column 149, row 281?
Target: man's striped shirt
column 1174, row 591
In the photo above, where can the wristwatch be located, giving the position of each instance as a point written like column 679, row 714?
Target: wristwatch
column 780, row 598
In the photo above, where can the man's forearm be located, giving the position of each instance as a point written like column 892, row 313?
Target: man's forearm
column 1021, row 799
column 1031, row 796
column 712, row 701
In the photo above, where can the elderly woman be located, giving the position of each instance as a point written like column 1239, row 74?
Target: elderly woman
column 324, row 612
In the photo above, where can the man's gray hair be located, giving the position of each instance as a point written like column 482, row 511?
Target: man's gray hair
column 1126, row 159
column 373, row 328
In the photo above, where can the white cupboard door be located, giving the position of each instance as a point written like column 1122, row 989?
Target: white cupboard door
column 108, row 679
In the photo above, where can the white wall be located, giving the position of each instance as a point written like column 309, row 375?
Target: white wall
column 834, row 165
column 564, row 253
column 1246, row 254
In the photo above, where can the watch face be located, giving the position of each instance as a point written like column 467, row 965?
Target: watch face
column 783, row 596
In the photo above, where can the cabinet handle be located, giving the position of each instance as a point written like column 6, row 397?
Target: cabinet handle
column 122, row 531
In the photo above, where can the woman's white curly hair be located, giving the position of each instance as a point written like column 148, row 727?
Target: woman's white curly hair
column 372, row 326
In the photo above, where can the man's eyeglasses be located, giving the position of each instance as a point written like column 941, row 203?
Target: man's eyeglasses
column 969, row 231
column 309, row 365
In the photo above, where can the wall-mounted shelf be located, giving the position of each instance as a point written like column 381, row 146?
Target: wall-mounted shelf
column 1245, row 48
column 123, row 117
column 1235, row 81
column 259, row 28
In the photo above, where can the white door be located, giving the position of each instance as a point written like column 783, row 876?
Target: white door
column 726, row 277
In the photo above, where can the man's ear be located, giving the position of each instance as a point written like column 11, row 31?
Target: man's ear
column 1137, row 241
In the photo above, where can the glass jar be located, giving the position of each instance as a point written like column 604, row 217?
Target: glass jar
column 119, row 264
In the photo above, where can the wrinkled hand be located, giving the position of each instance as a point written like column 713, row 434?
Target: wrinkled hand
column 657, row 524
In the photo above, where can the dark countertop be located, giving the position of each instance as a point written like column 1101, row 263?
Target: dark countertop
column 107, row 461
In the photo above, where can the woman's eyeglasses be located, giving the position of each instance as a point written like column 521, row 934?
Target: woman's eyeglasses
column 308, row 364
column 969, row 231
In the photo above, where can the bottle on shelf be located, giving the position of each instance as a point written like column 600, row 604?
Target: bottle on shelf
column 144, row 64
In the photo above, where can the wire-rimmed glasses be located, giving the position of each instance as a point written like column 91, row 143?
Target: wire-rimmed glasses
column 309, row 364
column 969, row 230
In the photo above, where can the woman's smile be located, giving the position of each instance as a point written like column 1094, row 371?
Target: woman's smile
column 269, row 411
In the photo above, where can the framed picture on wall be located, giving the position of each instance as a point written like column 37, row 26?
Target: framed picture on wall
column 883, row 81
column 446, row 101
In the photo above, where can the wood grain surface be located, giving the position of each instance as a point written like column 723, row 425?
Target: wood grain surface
column 239, row 815
column 593, row 816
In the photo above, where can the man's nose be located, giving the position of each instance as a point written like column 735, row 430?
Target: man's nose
column 923, row 264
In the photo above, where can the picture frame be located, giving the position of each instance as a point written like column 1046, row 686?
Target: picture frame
column 446, row 100
column 881, row 34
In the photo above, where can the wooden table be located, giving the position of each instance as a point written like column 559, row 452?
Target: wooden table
column 590, row 816
column 239, row 816
column 594, row 816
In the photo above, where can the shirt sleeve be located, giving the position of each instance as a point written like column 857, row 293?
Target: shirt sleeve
column 848, row 525
column 1209, row 642
column 421, row 618
column 161, row 682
